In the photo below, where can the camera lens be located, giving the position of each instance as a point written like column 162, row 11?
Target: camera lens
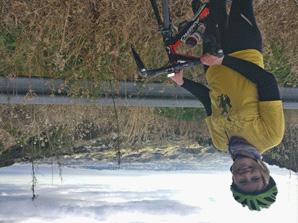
column 193, row 40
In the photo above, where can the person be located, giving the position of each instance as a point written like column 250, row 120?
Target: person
column 242, row 101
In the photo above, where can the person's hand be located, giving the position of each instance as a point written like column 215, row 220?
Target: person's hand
column 210, row 60
column 178, row 78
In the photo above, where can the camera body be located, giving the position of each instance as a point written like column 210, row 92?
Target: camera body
column 195, row 37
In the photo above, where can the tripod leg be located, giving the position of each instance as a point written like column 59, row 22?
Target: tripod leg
column 156, row 13
column 166, row 15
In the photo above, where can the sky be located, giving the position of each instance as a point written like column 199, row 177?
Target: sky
column 135, row 196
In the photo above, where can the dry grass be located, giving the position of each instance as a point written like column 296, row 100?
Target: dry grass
column 77, row 39
column 91, row 39
column 138, row 126
column 278, row 23
column 286, row 154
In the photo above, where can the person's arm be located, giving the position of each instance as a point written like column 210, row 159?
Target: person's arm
column 265, row 81
column 198, row 90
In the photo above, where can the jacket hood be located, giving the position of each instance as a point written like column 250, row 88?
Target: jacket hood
column 240, row 147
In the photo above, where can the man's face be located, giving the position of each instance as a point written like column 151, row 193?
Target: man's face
column 247, row 175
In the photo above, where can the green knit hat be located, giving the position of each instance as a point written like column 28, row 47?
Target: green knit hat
column 256, row 200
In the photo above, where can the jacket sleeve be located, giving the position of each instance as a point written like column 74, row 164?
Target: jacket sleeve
column 200, row 91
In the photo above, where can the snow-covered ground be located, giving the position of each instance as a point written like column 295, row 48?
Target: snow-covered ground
column 136, row 196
